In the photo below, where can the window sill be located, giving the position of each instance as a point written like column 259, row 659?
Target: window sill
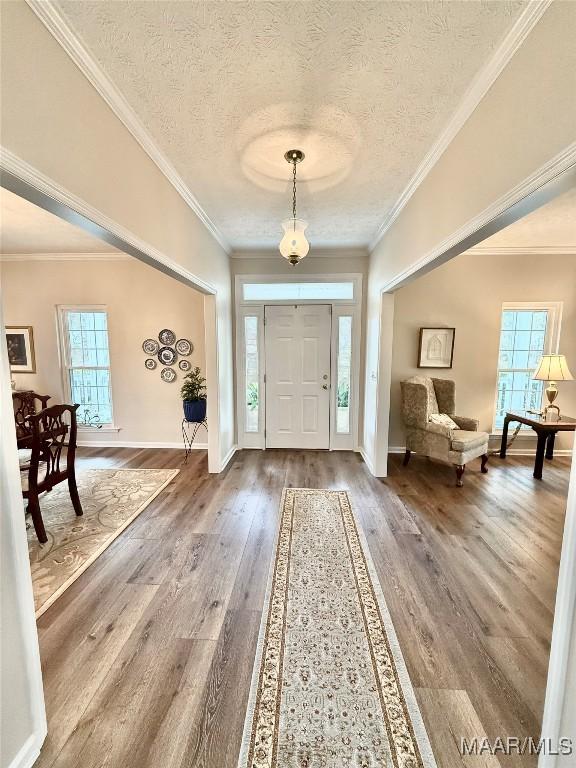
column 524, row 433
column 105, row 428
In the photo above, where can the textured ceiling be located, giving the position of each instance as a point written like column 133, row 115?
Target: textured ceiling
column 224, row 88
column 551, row 226
column 25, row 228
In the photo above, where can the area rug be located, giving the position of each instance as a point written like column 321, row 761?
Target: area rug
column 330, row 688
column 111, row 499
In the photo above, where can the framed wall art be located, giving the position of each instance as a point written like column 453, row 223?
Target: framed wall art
column 436, row 347
column 20, row 343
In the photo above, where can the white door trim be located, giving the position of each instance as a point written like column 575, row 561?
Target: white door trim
column 559, row 719
column 20, row 635
column 340, row 307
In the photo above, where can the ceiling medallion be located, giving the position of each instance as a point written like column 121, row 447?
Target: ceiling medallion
column 294, row 245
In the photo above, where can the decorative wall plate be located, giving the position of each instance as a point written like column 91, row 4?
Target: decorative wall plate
column 185, row 365
column 168, row 374
column 166, row 337
column 150, row 363
column 184, row 347
column 150, row 346
column 167, row 355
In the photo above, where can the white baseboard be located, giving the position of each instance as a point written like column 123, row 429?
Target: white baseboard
column 509, row 452
column 528, row 452
column 228, row 457
column 28, row 752
column 137, row 444
column 98, row 430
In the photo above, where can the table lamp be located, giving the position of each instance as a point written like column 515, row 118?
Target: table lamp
column 552, row 368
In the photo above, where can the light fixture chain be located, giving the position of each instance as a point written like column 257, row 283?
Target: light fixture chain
column 293, row 246
column 294, row 190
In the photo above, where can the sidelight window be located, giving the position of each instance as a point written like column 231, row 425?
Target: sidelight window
column 252, row 394
column 343, row 374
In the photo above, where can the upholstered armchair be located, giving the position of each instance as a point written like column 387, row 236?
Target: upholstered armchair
column 421, row 398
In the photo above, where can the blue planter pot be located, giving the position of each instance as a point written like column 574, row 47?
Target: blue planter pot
column 194, row 410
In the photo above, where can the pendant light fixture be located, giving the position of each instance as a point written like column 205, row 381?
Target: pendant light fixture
column 294, row 245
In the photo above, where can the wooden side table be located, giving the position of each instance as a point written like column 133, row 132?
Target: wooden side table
column 546, row 431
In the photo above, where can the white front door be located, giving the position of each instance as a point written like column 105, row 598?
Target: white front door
column 297, row 341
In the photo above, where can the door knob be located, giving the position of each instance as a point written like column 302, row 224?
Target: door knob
column 324, row 386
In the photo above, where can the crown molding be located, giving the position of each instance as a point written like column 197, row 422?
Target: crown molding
column 563, row 162
column 315, row 253
column 71, row 42
column 24, row 172
column 479, row 87
column 519, row 250
column 104, row 256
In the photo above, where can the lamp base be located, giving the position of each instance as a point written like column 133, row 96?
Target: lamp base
column 551, row 394
column 549, row 414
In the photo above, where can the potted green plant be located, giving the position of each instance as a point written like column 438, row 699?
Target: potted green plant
column 193, row 394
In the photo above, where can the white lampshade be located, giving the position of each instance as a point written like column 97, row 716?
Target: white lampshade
column 553, row 368
column 294, row 245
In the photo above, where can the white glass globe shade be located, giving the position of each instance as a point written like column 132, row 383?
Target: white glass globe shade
column 294, row 245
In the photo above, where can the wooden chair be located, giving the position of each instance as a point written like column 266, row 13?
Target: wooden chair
column 26, row 404
column 47, row 466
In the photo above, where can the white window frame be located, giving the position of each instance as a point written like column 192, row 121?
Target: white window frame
column 551, row 342
column 64, row 357
column 252, row 308
column 336, row 322
column 249, row 439
column 290, row 281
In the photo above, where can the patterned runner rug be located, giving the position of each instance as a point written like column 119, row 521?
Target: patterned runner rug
column 330, row 688
column 111, row 499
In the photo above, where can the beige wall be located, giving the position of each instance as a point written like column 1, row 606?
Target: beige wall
column 527, row 117
column 467, row 293
column 55, row 120
column 140, row 302
column 354, row 260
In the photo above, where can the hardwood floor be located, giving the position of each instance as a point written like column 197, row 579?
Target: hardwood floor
column 147, row 657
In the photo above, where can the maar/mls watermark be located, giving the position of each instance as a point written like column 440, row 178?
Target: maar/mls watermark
column 515, row 745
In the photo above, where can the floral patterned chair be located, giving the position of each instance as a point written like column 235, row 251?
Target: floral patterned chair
column 424, row 398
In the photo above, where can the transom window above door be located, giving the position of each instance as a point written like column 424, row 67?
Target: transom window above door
column 293, row 291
